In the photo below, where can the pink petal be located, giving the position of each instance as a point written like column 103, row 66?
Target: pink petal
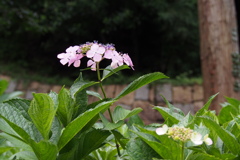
column 113, row 64
column 61, row 55
column 64, row 61
column 97, row 57
column 90, row 63
column 90, row 53
column 77, row 63
column 101, row 50
column 108, row 54
column 94, row 47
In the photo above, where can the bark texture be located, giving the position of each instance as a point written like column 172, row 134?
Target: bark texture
column 218, row 38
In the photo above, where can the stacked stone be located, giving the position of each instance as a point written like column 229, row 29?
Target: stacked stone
column 187, row 98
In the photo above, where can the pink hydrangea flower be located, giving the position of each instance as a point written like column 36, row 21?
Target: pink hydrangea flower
column 71, row 56
column 91, row 64
column 128, row 60
column 117, row 59
column 96, row 52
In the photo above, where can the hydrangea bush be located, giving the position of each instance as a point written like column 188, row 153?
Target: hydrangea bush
column 65, row 126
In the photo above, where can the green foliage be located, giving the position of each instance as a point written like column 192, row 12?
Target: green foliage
column 61, row 126
column 65, row 126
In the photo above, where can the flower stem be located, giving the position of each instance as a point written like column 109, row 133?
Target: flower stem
column 109, row 111
column 182, row 149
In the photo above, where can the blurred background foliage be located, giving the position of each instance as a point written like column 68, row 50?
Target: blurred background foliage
column 159, row 35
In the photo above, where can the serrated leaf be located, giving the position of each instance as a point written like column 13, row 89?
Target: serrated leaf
column 120, row 113
column 77, row 124
column 22, row 105
column 228, row 139
column 141, row 81
column 42, row 112
column 14, row 118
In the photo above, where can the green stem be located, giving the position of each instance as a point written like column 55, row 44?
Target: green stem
column 109, row 111
column 182, row 153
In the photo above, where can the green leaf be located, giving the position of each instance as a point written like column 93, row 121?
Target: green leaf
column 5, row 149
column 25, row 155
column 234, row 102
column 201, row 156
column 95, row 94
column 81, row 103
column 165, row 150
column 42, row 112
column 108, row 125
column 169, row 115
column 137, row 149
column 45, row 150
column 22, row 105
column 65, row 106
column 79, row 85
column 135, row 119
column 141, row 81
column 3, row 86
column 108, row 71
column 206, row 106
column 90, row 141
column 77, row 124
column 120, row 113
column 226, row 114
column 17, row 122
column 7, row 96
column 228, row 139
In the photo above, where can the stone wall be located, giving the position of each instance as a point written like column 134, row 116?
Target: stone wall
column 187, row 98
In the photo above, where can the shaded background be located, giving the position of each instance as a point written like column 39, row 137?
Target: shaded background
column 159, row 35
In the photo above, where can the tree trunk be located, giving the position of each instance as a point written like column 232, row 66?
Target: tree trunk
column 219, row 40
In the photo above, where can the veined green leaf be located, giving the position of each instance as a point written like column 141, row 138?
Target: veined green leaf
column 137, row 149
column 228, row 139
column 77, row 124
column 22, row 105
column 95, row 94
column 141, row 81
column 120, row 113
column 18, row 123
column 65, row 106
column 45, row 150
column 42, row 112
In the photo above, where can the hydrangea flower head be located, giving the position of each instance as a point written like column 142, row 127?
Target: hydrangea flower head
column 183, row 134
column 96, row 52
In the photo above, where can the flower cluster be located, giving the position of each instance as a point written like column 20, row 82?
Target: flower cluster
column 183, row 134
column 96, row 52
